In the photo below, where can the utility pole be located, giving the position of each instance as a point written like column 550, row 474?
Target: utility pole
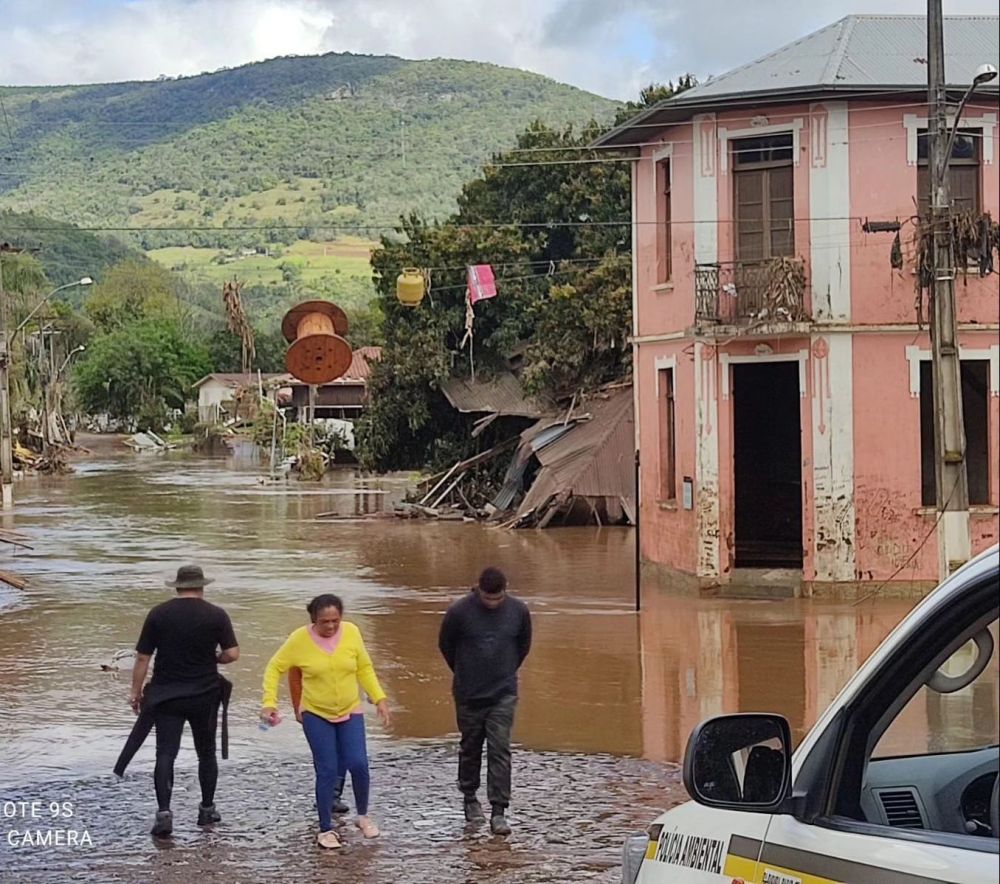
column 6, row 443
column 949, row 430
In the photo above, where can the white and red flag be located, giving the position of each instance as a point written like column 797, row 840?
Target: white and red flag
column 482, row 284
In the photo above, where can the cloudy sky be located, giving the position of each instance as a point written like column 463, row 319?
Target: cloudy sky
column 611, row 47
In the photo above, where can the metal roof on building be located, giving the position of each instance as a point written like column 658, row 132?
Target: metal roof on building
column 501, row 395
column 865, row 50
column 361, row 360
column 858, row 54
column 233, row 380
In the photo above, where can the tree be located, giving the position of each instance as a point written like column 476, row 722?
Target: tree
column 225, row 351
column 581, row 332
column 23, row 275
column 24, row 283
column 140, row 370
column 652, row 95
column 503, row 219
column 133, row 291
column 553, row 218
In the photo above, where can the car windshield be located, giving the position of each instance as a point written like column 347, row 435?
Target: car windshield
column 963, row 719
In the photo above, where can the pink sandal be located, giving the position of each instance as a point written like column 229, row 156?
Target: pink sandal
column 367, row 827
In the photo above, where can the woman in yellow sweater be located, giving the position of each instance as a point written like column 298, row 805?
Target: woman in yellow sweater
column 333, row 660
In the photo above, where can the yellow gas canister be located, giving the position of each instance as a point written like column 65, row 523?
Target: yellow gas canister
column 410, row 287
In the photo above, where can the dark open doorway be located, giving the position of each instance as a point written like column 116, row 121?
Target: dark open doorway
column 767, row 442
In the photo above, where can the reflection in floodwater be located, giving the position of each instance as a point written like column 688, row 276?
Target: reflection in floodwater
column 599, row 679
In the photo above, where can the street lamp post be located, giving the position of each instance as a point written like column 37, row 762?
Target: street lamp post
column 86, row 280
column 6, row 430
column 951, row 474
column 78, row 349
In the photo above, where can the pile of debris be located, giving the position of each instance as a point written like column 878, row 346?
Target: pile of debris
column 446, row 499
column 148, row 442
column 53, row 460
column 573, row 468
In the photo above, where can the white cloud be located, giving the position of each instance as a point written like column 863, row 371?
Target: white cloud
column 612, row 47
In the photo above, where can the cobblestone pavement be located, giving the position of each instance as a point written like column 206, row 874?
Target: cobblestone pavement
column 570, row 814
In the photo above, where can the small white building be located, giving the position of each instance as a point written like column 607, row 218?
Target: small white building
column 217, row 392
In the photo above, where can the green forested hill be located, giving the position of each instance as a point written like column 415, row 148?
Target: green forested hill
column 65, row 253
column 306, row 148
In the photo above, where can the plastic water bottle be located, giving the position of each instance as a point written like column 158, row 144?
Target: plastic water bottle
column 273, row 720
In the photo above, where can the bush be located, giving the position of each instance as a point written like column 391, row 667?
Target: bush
column 187, row 422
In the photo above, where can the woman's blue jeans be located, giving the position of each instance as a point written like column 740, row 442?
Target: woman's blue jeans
column 336, row 749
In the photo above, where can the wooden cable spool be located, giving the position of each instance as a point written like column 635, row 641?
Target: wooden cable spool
column 318, row 353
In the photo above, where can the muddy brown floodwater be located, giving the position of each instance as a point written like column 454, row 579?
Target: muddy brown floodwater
column 608, row 697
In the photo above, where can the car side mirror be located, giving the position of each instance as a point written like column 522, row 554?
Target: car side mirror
column 740, row 762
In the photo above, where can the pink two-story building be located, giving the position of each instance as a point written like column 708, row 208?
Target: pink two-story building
column 782, row 372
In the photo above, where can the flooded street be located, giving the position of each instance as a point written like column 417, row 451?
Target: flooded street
column 608, row 698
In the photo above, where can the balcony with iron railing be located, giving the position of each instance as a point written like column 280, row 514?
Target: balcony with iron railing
column 751, row 294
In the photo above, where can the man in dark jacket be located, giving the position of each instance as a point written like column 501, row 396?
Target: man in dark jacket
column 189, row 637
column 484, row 638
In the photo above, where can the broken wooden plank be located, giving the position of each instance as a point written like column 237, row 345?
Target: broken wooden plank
column 510, row 523
column 464, row 499
column 483, row 423
column 473, row 461
column 447, row 476
column 572, row 405
column 10, row 532
column 13, row 580
column 554, row 507
column 448, row 490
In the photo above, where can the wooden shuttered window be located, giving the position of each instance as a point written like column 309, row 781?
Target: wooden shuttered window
column 963, row 173
column 764, row 197
column 664, row 246
column 975, row 374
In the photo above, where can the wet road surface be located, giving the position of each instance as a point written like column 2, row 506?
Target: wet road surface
column 569, row 817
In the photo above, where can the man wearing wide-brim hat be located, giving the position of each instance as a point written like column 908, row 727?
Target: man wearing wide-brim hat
column 189, row 636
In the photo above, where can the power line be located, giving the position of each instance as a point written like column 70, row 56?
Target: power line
column 395, row 224
column 854, row 111
column 705, row 104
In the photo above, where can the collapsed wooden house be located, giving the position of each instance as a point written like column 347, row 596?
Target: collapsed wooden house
column 575, row 469
column 574, row 465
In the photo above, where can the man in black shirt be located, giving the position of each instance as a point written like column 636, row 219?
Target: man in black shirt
column 484, row 638
column 190, row 637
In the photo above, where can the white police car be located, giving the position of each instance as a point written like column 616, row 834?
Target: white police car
column 845, row 807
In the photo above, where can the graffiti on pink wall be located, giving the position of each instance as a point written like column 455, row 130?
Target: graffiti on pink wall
column 880, row 529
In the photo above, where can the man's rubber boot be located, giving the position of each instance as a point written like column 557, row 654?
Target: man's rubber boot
column 498, row 822
column 474, row 811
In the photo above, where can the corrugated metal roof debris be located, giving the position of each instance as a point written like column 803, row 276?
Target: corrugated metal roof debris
column 501, row 395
